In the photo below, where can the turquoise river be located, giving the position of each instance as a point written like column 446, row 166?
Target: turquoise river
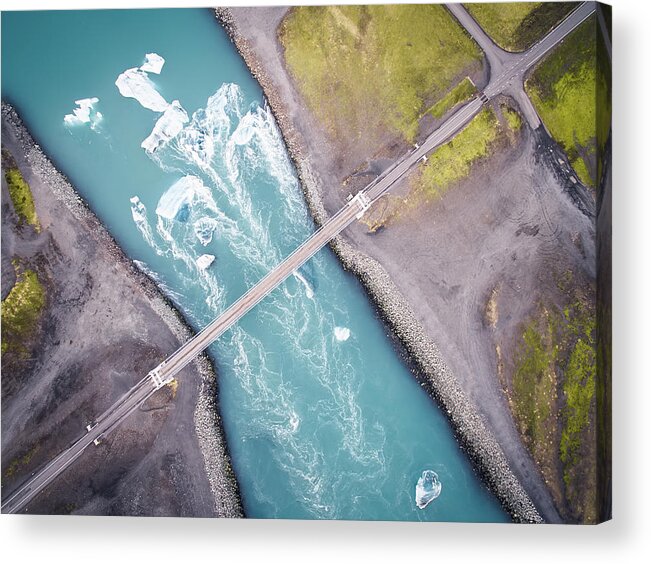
column 322, row 417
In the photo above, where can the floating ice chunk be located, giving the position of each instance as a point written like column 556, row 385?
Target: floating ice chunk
column 84, row 113
column 428, row 488
column 134, row 83
column 204, row 261
column 204, row 229
column 153, row 63
column 176, row 201
column 243, row 133
column 342, row 333
column 168, row 126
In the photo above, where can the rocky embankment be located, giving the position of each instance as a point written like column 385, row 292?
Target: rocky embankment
column 105, row 324
column 435, row 376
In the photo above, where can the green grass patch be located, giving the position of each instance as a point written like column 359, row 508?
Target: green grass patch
column 516, row 26
column 534, row 381
column 553, row 396
column 512, row 118
column 21, row 462
column 21, row 310
column 571, row 92
column 453, row 161
column 21, row 196
column 366, row 70
column 579, row 383
column 459, row 94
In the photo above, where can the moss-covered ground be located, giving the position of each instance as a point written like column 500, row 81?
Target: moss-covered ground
column 362, row 69
column 459, row 94
column 516, row 26
column 571, row 91
column 553, row 398
column 21, row 197
column 21, row 311
column 512, row 117
column 453, row 161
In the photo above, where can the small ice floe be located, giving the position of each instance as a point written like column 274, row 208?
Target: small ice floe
column 153, row 63
column 342, row 333
column 134, row 83
column 204, row 229
column 84, row 113
column 428, row 488
column 204, row 261
column 176, row 201
column 244, row 131
column 168, row 126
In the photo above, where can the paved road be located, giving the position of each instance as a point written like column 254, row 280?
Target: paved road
column 166, row 371
column 507, row 70
column 604, row 31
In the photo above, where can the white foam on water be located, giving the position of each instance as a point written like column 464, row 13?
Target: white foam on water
column 139, row 215
column 294, row 421
column 153, row 63
column 134, row 83
column 227, row 149
column 168, row 126
column 171, row 294
column 342, row 333
column 84, row 113
column 309, row 292
column 428, row 488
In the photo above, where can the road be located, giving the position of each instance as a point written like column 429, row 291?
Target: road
column 507, row 70
column 167, row 370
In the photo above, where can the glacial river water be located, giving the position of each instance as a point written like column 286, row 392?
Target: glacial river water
column 322, row 418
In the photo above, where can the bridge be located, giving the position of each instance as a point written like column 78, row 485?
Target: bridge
column 354, row 209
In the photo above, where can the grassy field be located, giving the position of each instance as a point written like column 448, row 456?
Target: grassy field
column 21, row 310
column 512, row 117
column 368, row 70
column 571, row 93
column 21, row 196
column 460, row 93
column 516, row 26
column 553, row 399
column 452, row 162
column 534, row 381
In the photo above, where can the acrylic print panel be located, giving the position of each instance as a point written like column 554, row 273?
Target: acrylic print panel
column 336, row 262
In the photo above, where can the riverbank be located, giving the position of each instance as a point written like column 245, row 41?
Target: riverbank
column 104, row 325
column 443, row 386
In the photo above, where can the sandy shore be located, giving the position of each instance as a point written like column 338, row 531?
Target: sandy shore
column 105, row 324
column 411, row 292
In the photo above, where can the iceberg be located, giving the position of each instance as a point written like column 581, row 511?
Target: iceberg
column 204, row 261
column 134, row 83
column 204, row 229
column 176, row 201
column 153, row 63
column 342, row 333
column 428, row 488
column 84, row 113
column 168, row 126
